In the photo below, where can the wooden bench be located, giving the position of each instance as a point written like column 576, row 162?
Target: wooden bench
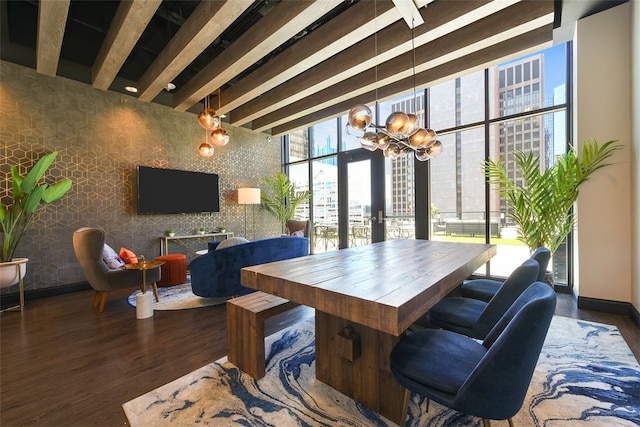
column 245, row 329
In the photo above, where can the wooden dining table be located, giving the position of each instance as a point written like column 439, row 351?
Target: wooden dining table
column 365, row 298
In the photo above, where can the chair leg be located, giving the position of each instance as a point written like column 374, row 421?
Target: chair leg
column 96, row 298
column 510, row 422
column 486, row 423
column 155, row 291
column 103, row 299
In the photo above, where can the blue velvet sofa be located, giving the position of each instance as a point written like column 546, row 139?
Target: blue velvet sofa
column 217, row 273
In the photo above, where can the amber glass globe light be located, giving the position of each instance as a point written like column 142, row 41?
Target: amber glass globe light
column 421, row 137
column 435, row 148
column 397, row 123
column 411, row 125
column 393, row 151
column 206, row 149
column 219, row 137
column 208, row 119
column 369, row 141
column 360, row 117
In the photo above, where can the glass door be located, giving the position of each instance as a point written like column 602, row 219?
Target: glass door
column 361, row 198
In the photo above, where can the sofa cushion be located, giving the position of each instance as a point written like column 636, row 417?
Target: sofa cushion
column 111, row 258
column 231, row 241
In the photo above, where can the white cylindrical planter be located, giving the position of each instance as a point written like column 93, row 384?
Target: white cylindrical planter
column 144, row 305
column 9, row 274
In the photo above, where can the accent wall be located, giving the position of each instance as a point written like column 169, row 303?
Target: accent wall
column 101, row 137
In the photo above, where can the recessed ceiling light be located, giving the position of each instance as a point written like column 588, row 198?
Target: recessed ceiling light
column 131, row 89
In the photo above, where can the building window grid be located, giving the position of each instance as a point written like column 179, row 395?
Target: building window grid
column 515, row 95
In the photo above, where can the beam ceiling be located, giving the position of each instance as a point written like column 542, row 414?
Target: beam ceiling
column 279, row 64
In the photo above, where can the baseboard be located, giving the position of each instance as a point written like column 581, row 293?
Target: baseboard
column 635, row 315
column 13, row 299
column 606, row 306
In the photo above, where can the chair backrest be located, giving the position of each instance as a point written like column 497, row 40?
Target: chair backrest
column 498, row 385
column 297, row 225
column 542, row 256
column 87, row 245
column 511, row 289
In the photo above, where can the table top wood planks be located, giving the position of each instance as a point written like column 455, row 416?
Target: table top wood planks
column 385, row 286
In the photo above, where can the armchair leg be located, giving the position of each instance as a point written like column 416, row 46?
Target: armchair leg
column 96, row 298
column 510, row 422
column 486, row 423
column 103, row 299
column 155, row 291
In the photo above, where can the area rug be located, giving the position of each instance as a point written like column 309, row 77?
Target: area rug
column 586, row 376
column 179, row 297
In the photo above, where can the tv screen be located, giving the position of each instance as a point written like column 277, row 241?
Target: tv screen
column 172, row 191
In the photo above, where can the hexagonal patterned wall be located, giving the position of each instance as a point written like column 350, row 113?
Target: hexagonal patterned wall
column 101, row 138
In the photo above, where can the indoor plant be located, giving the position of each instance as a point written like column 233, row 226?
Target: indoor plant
column 281, row 197
column 541, row 204
column 28, row 195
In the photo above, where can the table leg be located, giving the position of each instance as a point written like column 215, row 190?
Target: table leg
column 368, row 378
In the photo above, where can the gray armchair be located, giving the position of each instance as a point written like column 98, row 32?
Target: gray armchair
column 297, row 225
column 88, row 244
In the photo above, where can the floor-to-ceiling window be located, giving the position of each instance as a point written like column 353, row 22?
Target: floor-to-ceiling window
column 519, row 105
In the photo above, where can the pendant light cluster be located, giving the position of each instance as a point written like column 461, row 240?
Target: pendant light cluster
column 400, row 135
column 210, row 121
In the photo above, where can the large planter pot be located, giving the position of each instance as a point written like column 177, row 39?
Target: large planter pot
column 9, row 271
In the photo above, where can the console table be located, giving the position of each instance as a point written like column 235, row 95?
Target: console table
column 165, row 240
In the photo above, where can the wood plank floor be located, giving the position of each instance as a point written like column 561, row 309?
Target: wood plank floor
column 64, row 364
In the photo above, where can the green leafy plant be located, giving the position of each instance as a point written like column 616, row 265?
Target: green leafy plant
column 27, row 197
column 541, row 204
column 281, row 198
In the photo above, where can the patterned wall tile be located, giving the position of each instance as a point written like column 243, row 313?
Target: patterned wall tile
column 101, row 138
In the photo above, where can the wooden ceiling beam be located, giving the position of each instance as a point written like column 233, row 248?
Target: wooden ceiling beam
column 204, row 25
column 52, row 20
column 523, row 44
column 129, row 22
column 282, row 23
column 347, row 29
column 396, row 39
column 518, row 19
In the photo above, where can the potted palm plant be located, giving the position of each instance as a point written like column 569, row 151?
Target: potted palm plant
column 281, row 198
column 28, row 196
column 540, row 203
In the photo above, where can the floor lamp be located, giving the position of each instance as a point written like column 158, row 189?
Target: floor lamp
column 249, row 196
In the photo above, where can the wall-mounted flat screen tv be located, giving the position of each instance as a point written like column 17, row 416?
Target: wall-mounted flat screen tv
column 172, row 191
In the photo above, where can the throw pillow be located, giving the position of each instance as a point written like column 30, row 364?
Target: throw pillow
column 111, row 258
column 298, row 233
column 128, row 256
column 231, row 241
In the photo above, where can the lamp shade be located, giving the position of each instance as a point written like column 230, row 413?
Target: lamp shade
column 248, row 196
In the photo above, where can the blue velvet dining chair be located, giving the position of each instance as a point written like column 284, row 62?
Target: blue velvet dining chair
column 485, row 289
column 475, row 318
column 489, row 379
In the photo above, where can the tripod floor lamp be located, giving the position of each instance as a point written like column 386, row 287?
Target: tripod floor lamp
column 249, row 196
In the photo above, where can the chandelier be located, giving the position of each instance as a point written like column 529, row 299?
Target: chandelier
column 210, row 121
column 400, row 135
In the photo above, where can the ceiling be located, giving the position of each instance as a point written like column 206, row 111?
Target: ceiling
column 280, row 65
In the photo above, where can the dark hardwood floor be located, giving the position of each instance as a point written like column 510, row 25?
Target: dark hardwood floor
column 64, row 364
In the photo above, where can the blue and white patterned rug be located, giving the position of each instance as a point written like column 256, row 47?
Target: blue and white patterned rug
column 586, row 376
column 179, row 297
